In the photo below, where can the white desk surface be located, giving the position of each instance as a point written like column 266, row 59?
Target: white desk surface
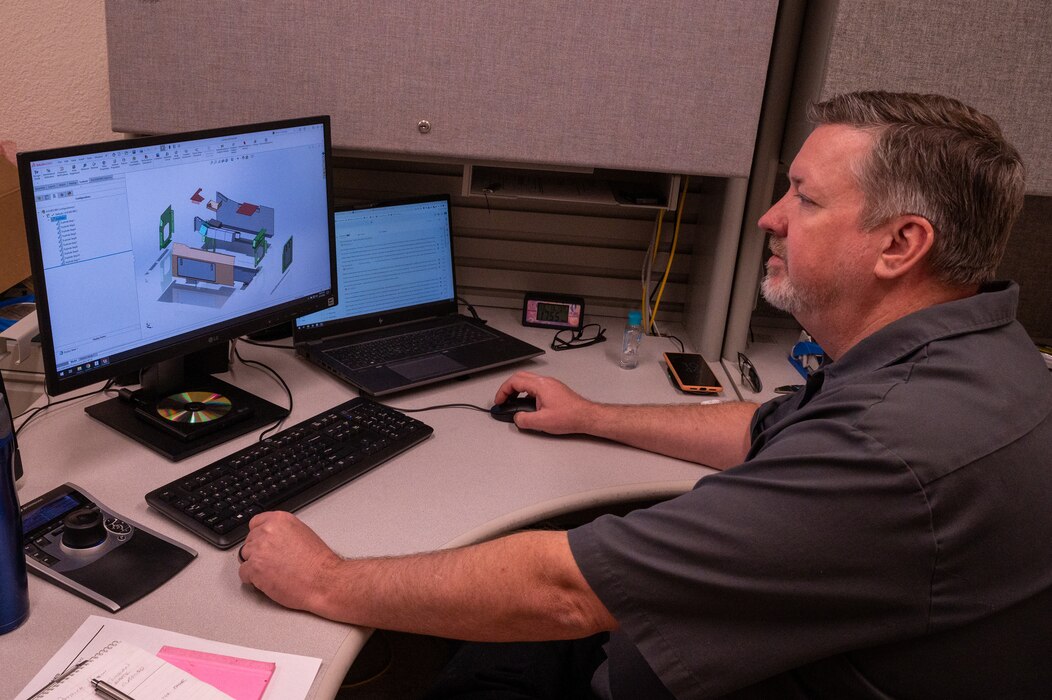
column 474, row 478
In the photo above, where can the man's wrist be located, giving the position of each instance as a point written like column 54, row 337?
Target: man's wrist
column 598, row 419
column 327, row 595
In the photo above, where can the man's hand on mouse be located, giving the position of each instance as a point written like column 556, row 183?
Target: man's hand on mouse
column 560, row 410
column 284, row 559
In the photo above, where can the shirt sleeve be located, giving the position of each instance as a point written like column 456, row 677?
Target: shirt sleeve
column 820, row 544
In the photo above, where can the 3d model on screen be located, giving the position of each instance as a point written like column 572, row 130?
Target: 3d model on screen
column 167, row 226
column 223, row 252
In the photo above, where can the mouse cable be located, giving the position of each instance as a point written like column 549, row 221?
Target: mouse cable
column 435, row 408
column 274, row 373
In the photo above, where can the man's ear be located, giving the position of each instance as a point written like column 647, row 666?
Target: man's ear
column 907, row 241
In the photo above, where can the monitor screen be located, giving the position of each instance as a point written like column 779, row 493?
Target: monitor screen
column 147, row 249
column 391, row 256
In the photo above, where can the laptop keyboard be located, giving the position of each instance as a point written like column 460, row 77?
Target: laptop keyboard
column 287, row 471
column 411, row 344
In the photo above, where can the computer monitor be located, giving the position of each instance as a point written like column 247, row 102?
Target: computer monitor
column 147, row 252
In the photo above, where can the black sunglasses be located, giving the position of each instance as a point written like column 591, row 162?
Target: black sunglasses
column 748, row 373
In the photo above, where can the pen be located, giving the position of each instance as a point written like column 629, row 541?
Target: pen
column 108, row 691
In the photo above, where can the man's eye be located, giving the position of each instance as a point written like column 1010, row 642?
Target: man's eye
column 803, row 199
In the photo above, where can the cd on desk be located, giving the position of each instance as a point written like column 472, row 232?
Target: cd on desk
column 135, row 415
column 194, row 413
column 194, row 407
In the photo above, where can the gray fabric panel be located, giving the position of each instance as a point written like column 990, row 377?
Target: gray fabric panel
column 673, row 86
column 995, row 56
column 1028, row 261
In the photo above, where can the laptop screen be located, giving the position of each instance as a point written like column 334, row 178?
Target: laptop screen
column 390, row 257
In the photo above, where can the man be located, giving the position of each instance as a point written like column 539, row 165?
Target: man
column 884, row 532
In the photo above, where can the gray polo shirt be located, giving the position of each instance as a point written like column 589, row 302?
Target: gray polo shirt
column 889, row 534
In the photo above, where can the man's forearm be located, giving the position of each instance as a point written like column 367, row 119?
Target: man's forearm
column 712, row 434
column 716, row 435
column 521, row 587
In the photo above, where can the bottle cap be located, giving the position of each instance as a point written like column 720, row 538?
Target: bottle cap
column 635, row 318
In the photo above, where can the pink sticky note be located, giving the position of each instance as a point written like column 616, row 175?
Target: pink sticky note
column 241, row 679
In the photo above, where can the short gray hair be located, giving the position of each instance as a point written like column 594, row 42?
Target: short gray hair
column 937, row 158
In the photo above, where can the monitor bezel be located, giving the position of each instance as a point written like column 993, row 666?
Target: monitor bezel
column 184, row 343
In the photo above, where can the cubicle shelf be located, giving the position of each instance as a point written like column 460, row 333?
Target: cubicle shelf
column 599, row 186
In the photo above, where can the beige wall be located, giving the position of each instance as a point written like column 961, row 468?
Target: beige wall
column 54, row 88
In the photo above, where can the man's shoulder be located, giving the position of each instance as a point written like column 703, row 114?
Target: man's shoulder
column 954, row 404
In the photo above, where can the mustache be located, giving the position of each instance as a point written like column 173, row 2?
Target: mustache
column 777, row 247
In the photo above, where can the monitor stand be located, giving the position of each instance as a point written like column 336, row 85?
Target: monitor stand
column 179, row 414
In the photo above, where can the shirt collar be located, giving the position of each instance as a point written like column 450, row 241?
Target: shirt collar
column 994, row 305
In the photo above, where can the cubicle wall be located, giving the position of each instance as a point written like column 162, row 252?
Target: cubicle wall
column 426, row 96
column 671, row 87
column 634, row 93
column 1028, row 261
column 996, row 57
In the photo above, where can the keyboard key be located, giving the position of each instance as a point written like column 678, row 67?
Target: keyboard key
column 400, row 347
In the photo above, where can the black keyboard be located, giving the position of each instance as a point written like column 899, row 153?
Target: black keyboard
column 411, row 344
column 287, row 471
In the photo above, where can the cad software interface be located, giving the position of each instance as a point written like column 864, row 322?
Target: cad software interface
column 140, row 245
column 387, row 258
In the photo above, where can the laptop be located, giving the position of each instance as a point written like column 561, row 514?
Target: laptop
column 396, row 324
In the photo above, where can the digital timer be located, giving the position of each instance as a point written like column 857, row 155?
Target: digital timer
column 558, row 311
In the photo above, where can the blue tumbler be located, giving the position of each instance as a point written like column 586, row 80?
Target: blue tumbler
column 14, row 587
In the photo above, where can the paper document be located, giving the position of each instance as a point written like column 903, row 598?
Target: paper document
column 245, row 673
column 133, row 671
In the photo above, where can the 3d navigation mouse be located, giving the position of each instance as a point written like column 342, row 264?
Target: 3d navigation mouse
column 516, row 404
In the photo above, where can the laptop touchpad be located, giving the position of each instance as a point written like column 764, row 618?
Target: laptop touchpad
column 424, row 367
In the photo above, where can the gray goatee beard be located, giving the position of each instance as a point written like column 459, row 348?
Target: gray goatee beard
column 781, row 295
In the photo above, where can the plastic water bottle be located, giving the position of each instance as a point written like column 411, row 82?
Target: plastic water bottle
column 630, row 344
column 14, row 586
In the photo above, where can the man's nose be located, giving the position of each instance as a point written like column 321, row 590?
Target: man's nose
column 773, row 222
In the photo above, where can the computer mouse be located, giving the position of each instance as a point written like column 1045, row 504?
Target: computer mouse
column 516, row 404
